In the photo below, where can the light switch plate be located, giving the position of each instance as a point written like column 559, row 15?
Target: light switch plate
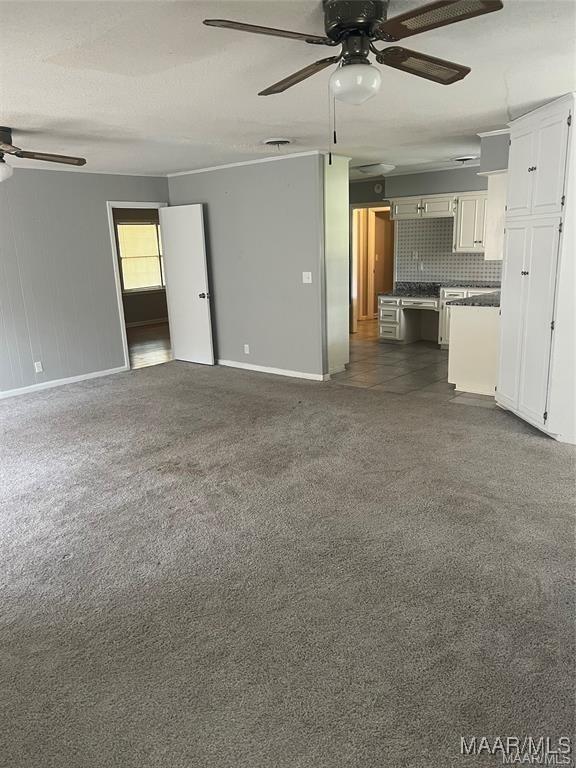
column 306, row 277
column 246, row 349
column 38, row 366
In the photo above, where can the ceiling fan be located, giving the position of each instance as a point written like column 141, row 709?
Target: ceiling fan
column 356, row 25
column 7, row 148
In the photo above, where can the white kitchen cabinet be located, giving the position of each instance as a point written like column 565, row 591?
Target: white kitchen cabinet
column 537, row 369
column 405, row 208
column 470, row 224
column 537, row 163
column 495, row 217
column 527, row 312
column 438, row 207
column 447, row 295
column 473, row 357
column 431, row 207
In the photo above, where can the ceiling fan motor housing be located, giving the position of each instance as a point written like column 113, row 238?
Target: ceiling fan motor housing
column 345, row 17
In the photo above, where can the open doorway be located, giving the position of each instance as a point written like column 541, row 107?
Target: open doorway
column 372, row 265
column 138, row 250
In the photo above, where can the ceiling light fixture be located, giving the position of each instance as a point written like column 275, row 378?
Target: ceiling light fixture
column 376, row 169
column 278, row 143
column 464, row 159
column 355, row 83
column 6, row 170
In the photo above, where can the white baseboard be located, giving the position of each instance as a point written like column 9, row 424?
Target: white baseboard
column 276, row 371
column 158, row 321
column 59, row 382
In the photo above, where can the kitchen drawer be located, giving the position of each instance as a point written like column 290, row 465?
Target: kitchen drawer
column 389, row 315
column 420, row 303
column 384, row 301
column 389, row 332
column 448, row 293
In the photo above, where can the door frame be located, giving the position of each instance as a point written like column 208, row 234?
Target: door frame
column 378, row 205
column 110, row 205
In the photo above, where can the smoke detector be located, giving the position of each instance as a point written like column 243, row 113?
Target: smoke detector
column 277, row 143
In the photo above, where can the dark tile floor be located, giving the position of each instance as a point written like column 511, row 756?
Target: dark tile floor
column 419, row 369
column 149, row 345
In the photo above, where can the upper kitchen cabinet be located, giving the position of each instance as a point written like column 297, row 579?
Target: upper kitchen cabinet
column 537, row 164
column 406, row 208
column 470, row 224
column 431, row 207
column 438, row 207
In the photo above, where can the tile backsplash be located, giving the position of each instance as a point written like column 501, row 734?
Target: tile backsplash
column 424, row 255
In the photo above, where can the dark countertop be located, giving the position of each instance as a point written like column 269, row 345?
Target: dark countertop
column 432, row 290
column 484, row 300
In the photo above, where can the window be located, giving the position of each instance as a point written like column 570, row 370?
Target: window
column 139, row 251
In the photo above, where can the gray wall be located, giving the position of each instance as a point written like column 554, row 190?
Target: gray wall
column 264, row 228
column 57, row 292
column 435, row 182
column 494, row 151
column 363, row 191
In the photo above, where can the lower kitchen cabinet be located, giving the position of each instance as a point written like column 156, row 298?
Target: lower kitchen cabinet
column 473, row 357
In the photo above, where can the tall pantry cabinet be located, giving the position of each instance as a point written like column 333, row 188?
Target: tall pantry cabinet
column 536, row 377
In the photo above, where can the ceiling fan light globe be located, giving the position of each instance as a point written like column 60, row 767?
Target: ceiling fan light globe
column 355, row 83
column 6, row 171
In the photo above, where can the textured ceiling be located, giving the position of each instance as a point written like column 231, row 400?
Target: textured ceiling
column 144, row 87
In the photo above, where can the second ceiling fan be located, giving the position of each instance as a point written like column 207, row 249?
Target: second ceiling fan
column 355, row 26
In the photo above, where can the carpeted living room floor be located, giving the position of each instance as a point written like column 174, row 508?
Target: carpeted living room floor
column 210, row 568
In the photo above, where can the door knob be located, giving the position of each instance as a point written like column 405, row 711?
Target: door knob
column 203, row 295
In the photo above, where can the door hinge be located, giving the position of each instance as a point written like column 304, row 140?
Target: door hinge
column 509, row 142
column 563, row 200
column 552, row 325
column 561, row 226
column 545, row 416
column 569, row 121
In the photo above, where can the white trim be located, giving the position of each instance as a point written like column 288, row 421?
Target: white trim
column 88, row 171
column 139, row 323
column 276, row 371
column 499, row 132
column 247, row 162
column 492, row 173
column 110, row 205
column 61, row 382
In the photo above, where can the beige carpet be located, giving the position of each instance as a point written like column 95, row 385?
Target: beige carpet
column 208, row 568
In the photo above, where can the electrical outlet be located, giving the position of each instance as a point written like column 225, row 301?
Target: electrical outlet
column 306, row 277
column 246, row 349
column 38, row 366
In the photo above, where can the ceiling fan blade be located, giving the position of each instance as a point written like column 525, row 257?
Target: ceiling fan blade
column 433, row 15
column 429, row 67
column 297, row 77
column 50, row 158
column 241, row 27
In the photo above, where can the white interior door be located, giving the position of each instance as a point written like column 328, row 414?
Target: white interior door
column 187, row 290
